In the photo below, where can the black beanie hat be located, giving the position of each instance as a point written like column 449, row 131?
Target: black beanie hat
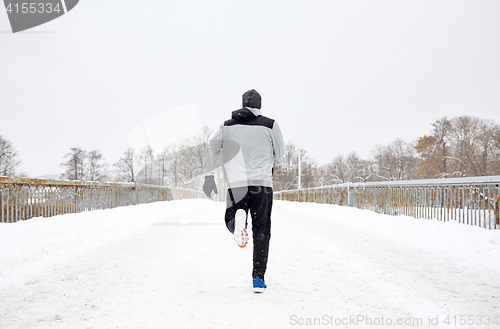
column 252, row 99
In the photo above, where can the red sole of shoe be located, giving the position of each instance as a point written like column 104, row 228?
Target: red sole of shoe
column 244, row 237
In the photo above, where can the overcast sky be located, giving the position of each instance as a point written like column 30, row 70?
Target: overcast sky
column 338, row 76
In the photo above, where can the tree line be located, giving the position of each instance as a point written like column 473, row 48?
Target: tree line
column 457, row 147
column 179, row 164
column 462, row 146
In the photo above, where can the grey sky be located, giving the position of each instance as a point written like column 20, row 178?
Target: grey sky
column 339, row 76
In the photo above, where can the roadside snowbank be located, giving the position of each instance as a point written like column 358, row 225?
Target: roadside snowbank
column 470, row 243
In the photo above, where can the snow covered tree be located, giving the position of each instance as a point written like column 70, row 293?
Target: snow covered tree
column 461, row 146
column 395, row 161
column 9, row 162
column 336, row 171
column 464, row 136
column 358, row 169
column 347, row 169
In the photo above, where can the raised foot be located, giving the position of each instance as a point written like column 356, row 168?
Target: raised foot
column 240, row 228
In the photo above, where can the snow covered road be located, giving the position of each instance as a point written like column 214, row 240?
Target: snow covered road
column 174, row 265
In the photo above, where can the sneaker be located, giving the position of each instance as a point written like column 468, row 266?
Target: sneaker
column 259, row 285
column 240, row 228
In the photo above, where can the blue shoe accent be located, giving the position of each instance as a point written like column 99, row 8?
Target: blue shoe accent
column 259, row 285
column 234, row 223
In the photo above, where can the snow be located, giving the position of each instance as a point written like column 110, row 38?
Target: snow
column 174, row 265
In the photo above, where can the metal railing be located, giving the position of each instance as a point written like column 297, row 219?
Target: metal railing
column 24, row 198
column 470, row 200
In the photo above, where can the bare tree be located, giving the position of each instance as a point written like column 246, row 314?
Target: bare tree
column 495, row 151
column 383, row 162
column 286, row 169
column 75, row 165
column 192, row 153
column 96, row 169
column 161, row 166
column 172, row 158
column 482, row 163
column 126, row 166
column 146, row 159
column 308, row 170
column 189, row 167
column 9, row 163
column 442, row 133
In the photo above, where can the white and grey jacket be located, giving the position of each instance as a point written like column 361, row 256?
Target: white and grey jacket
column 250, row 142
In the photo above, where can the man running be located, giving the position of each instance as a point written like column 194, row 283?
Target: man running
column 250, row 142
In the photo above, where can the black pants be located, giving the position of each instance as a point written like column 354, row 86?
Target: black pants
column 259, row 201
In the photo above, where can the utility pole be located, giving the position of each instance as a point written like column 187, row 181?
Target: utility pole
column 300, row 171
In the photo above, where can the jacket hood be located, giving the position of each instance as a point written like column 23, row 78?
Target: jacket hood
column 252, row 99
column 245, row 114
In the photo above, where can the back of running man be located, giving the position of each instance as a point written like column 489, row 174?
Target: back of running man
column 250, row 142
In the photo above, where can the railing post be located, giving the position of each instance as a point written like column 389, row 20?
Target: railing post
column 497, row 207
column 351, row 200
